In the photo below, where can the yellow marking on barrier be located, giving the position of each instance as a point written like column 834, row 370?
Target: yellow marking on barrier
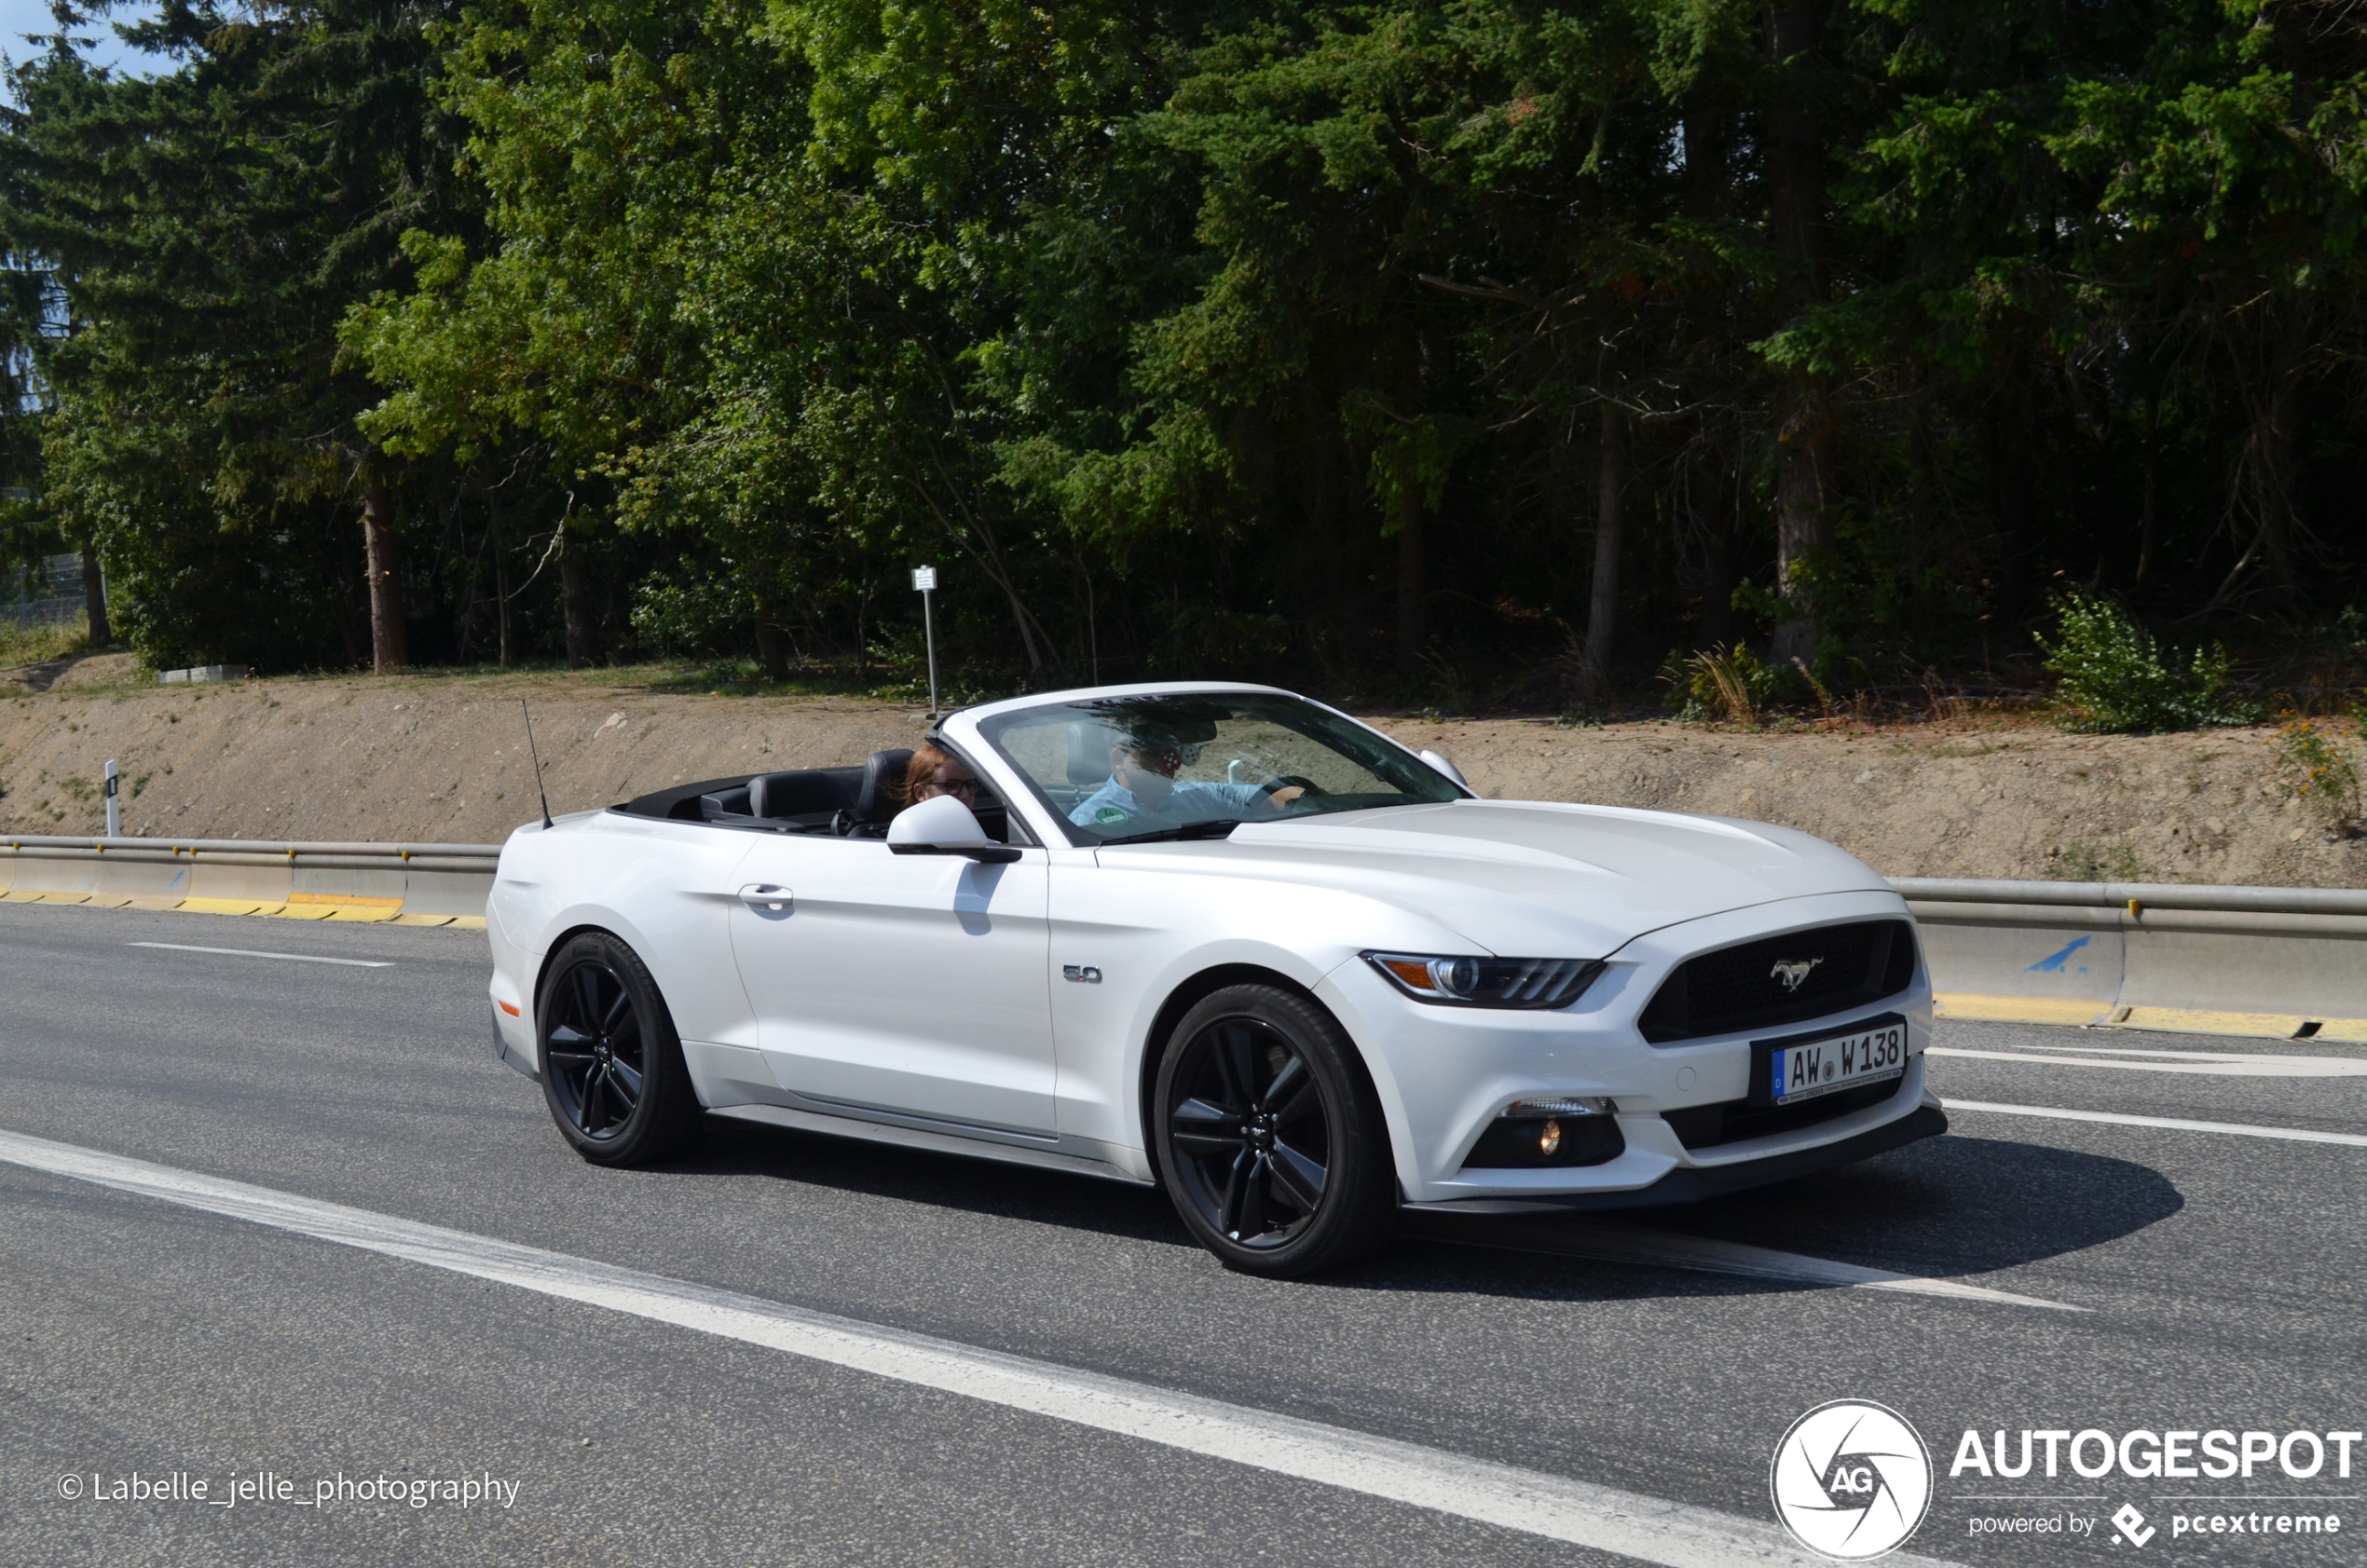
column 2195, row 1020
column 224, row 905
column 2159, row 1021
column 2019, row 1009
column 299, row 907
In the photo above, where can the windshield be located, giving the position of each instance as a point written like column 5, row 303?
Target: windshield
column 1126, row 768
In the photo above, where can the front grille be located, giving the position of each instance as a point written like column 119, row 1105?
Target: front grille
column 1706, row 1127
column 1736, row 989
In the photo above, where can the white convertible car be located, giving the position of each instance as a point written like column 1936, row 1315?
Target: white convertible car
column 1227, row 940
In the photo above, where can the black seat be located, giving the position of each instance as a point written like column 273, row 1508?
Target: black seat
column 877, row 796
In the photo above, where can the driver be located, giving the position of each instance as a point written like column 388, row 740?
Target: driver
column 1142, row 785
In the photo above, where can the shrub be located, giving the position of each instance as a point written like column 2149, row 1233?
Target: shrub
column 1727, row 683
column 2111, row 678
column 2313, row 765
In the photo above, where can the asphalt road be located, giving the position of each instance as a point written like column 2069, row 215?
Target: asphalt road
column 2218, row 1279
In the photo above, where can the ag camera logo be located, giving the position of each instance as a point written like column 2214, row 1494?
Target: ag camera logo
column 1851, row 1480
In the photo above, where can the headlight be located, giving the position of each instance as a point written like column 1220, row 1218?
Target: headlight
column 1488, row 982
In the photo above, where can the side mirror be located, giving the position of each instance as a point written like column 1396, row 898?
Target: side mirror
column 1448, row 769
column 943, row 826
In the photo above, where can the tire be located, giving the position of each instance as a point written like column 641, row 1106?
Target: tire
column 1270, row 1138
column 612, row 1070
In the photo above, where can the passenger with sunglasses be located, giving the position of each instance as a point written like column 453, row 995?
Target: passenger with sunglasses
column 1142, row 786
column 934, row 771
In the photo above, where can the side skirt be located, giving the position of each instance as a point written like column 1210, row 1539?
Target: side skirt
column 942, row 1143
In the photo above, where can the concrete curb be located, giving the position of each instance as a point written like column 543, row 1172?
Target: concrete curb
column 2278, row 963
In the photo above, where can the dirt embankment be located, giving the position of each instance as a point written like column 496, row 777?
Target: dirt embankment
column 444, row 760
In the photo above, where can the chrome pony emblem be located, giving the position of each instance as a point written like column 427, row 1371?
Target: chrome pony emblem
column 1792, row 970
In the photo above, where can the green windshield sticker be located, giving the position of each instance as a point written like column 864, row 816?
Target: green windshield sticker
column 1109, row 814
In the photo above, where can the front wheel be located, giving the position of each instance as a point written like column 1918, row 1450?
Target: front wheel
column 1268, row 1136
column 612, row 1071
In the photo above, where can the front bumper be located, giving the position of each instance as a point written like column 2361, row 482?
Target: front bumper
column 1692, row 1185
column 1444, row 1074
column 521, row 1058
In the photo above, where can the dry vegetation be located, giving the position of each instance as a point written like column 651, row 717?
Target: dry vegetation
column 442, row 758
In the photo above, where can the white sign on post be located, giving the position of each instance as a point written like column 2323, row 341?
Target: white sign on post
column 925, row 584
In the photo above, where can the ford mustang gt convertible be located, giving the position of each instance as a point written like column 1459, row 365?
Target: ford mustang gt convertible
column 1227, row 940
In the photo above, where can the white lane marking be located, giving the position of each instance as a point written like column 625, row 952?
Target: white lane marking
column 251, row 952
column 2224, row 1064
column 1673, row 1535
column 1614, row 1243
column 2120, row 1118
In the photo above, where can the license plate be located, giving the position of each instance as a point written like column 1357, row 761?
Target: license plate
column 1805, row 1068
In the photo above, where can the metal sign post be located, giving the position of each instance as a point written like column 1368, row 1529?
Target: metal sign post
column 115, row 806
column 924, row 582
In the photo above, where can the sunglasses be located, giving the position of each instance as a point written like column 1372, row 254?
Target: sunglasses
column 951, row 786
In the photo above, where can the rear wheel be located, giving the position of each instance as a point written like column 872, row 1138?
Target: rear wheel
column 612, row 1070
column 1270, row 1138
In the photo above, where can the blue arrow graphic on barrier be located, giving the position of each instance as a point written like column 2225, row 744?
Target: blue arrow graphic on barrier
column 2055, row 965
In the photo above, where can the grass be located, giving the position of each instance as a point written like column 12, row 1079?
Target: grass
column 2085, row 860
column 39, row 645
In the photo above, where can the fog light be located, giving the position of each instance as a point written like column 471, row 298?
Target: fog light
column 1549, row 1132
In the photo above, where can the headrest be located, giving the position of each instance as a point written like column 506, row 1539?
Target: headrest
column 883, row 779
column 802, row 792
column 1088, row 755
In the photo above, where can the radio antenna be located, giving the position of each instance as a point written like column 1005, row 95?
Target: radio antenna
column 538, row 762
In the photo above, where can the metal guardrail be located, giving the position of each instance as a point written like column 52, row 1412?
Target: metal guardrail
column 414, row 882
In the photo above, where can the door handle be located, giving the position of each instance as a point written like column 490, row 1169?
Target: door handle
column 767, row 899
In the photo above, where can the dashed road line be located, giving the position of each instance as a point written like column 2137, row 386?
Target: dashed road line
column 2175, row 1124
column 2222, row 1064
column 254, row 952
column 1611, row 1242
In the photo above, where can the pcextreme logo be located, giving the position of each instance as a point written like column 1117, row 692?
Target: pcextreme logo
column 1851, row 1480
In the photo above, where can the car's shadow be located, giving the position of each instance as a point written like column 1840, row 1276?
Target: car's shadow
column 1944, row 1208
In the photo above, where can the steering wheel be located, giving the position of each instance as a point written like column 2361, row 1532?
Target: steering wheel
column 1307, row 788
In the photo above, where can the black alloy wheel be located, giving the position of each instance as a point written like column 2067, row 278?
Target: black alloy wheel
column 1270, row 1140
column 612, row 1070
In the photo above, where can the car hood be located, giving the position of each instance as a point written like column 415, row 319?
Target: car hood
column 1536, row 878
